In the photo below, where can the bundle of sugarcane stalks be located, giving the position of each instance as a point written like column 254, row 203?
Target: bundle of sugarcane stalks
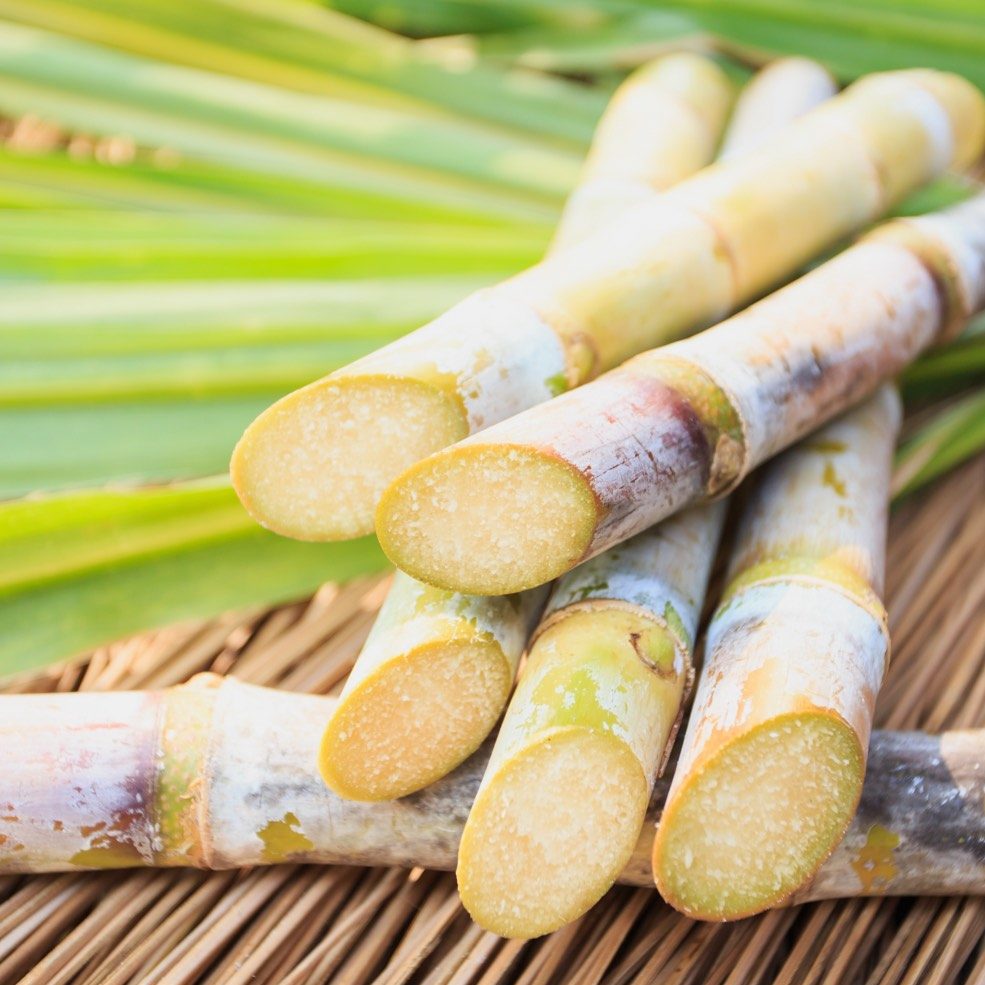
column 772, row 763
column 302, row 922
column 686, row 682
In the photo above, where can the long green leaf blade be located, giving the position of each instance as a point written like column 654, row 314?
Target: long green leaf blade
column 170, row 183
column 298, row 45
column 851, row 39
column 950, row 438
column 87, row 568
column 40, row 245
column 274, row 131
column 155, row 382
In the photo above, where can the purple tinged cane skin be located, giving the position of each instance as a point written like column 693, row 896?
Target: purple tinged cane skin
column 256, row 797
column 563, row 482
column 314, row 465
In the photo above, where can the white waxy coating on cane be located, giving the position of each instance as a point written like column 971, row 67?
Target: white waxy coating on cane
column 51, row 821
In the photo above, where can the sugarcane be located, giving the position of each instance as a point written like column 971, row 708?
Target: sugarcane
column 772, row 763
column 779, row 93
column 427, row 688
column 537, row 494
column 587, row 733
column 314, row 465
column 217, row 774
column 436, row 672
column 662, row 125
column 606, row 678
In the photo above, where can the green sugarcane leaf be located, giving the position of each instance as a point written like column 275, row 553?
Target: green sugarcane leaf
column 275, row 131
column 166, row 182
column 38, row 245
column 618, row 44
column 949, row 368
column 430, row 18
column 83, row 569
column 128, row 441
column 297, row 45
column 68, row 320
column 155, row 382
column 851, row 39
column 953, row 436
column 940, row 194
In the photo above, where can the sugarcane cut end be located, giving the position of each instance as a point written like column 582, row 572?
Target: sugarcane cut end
column 551, row 832
column 756, row 821
column 487, row 519
column 314, row 464
column 415, row 719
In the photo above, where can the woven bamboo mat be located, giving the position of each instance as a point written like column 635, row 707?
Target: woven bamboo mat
column 303, row 924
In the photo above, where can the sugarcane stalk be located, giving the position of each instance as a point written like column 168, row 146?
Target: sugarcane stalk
column 437, row 670
column 662, row 125
column 335, row 444
column 605, row 681
column 587, row 731
column 218, row 774
column 426, row 690
column 314, row 464
column 777, row 94
column 563, row 482
column 771, row 768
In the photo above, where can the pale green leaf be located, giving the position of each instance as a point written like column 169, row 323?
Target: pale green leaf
column 84, row 569
column 297, row 45
column 267, row 129
column 154, row 382
column 140, row 246
column 950, row 438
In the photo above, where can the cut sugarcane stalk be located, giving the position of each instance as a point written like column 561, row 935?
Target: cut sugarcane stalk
column 537, row 494
column 224, row 776
column 313, row 465
column 563, row 800
column 428, row 687
column 777, row 94
column 773, row 759
column 437, row 671
column 605, row 681
column 662, row 125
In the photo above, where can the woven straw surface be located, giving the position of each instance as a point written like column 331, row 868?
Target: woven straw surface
column 295, row 925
